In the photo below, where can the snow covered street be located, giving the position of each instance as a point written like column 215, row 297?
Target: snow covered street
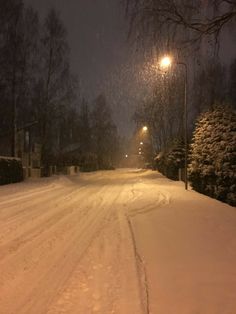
column 116, row 242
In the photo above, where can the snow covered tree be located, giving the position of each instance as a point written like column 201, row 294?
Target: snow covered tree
column 213, row 155
column 171, row 160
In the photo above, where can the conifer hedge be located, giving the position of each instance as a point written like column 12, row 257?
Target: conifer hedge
column 11, row 170
column 212, row 170
column 170, row 161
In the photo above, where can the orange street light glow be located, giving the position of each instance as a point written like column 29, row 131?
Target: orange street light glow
column 165, row 62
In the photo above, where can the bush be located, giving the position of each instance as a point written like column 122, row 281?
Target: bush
column 212, row 170
column 11, row 170
column 169, row 162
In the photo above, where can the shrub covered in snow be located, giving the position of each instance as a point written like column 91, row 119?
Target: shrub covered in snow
column 11, row 170
column 169, row 162
column 212, row 170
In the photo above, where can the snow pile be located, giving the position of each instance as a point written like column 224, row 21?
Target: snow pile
column 213, row 155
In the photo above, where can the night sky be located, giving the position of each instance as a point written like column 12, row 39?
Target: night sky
column 102, row 57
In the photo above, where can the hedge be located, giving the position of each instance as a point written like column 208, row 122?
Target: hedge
column 212, row 170
column 11, row 170
column 169, row 162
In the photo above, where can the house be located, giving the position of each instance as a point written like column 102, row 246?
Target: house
column 27, row 148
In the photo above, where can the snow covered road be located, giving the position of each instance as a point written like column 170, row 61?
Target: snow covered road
column 121, row 242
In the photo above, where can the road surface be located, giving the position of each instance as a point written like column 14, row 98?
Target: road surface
column 115, row 242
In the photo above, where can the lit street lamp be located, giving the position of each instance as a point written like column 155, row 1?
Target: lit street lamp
column 165, row 64
column 145, row 128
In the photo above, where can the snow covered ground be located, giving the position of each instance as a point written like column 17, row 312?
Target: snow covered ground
column 116, row 242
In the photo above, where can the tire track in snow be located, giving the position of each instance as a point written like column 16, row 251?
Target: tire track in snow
column 64, row 234
column 88, row 233
column 67, row 263
column 140, row 193
column 141, row 269
column 36, row 232
column 31, row 211
column 88, row 289
column 54, row 247
column 6, row 200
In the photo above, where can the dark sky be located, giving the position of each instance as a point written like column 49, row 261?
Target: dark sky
column 101, row 56
column 100, row 53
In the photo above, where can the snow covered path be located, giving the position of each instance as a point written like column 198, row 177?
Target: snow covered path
column 118, row 242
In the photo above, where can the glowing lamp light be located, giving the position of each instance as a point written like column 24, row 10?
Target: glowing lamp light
column 165, row 62
column 126, row 156
column 145, row 128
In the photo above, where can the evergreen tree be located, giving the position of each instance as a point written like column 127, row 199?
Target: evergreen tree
column 213, row 155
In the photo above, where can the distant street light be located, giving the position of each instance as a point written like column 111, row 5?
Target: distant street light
column 145, row 128
column 141, row 143
column 165, row 64
column 126, row 156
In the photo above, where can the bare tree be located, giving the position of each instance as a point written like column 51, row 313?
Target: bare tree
column 55, row 84
column 163, row 111
column 211, row 85
column 232, row 84
column 200, row 18
column 84, row 127
column 18, row 37
column 104, row 133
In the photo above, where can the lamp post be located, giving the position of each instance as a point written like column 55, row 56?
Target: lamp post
column 165, row 63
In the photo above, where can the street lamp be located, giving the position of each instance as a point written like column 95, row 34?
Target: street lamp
column 165, row 64
column 145, row 128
